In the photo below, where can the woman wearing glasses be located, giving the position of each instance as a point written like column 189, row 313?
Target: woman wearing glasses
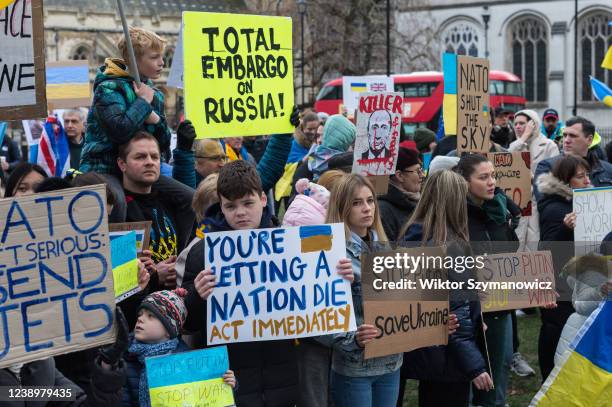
column 403, row 194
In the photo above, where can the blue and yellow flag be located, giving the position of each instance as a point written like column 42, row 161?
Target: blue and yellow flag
column 284, row 184
column 601, row 92
column 449, row 107
column 607, row 62
column 585, row 376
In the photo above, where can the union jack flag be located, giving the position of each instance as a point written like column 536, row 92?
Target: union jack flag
column 378, row 87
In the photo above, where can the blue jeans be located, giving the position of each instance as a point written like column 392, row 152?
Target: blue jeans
column 369, row 391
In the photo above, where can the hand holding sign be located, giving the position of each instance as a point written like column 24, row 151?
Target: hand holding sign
column 366, row 334
column 205, row 281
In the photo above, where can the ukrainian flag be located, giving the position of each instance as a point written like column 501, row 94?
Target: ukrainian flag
column 315, row 238
column 359, row 87
column 68, row 84
column 449, row 105
column 585, row 377
column 607, row 62
column 284, row 184
column 601, row 92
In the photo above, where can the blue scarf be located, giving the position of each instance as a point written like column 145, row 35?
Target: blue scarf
column 147, row 350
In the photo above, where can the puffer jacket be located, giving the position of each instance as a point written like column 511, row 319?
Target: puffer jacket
column 396, row 206
column 116, row 114
column 592, row 272
column 304, row 211
column 461, row 360
column 540, row 148
column 347, row 355
column 267, row 370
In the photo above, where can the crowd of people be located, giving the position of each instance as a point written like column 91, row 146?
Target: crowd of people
column 219, row 185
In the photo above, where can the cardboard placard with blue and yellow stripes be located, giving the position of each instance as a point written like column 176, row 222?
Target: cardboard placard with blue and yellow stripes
column 189, row 379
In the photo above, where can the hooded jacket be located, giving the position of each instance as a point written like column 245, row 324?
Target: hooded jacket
column 540, row 146
column 116, row 114
column 554, row 204
column 396, row 206
column 304, row 211
column 266, row 370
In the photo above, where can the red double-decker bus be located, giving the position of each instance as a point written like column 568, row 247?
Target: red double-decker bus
column 423, row 94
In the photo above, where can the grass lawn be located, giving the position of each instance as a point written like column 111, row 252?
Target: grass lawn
column 520, row 389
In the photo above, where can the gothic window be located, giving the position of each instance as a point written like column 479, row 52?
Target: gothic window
column 529, row 49
column 594, row 37
column 82, row 52
column 462, row 39
column 168, row 57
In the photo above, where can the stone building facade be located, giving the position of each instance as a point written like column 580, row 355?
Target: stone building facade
column 534, row 40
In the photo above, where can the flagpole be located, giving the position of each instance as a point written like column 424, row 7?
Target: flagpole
column 128, row 41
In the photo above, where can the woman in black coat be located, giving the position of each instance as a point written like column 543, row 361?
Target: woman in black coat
column 445, row 372
column 557, row 223
column 489, row 223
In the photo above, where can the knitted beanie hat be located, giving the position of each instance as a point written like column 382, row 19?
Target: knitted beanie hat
column 423, row 137
column 338, row 133
column 169, row 308
column 406, row 158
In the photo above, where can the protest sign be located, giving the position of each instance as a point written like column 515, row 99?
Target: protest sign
column 189, row 379
column 68, row 84
column 175, row 77
column 513, row 176
column 142, row 230
column 238, row 74
column 517, row 280
column 353, row 86
column 408, row 313
column 379, row 117
column 473, row 120
column 449, row 102
column 56, row 285
column 22, row 61
column 277, row 284
column 124, row 265
column 593, row 207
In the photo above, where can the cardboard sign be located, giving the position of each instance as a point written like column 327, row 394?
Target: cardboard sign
column 189, row 379
column 277, row 284
column 175, row 77
column 379, row 117
column 124, row 265
column 238, row 74
column 353, row 86
column 524, row 278
column 473, row 108
column 56, row 284
column 22, row 61
column 593, row 209
column 408, row 317
column 68, row 84
column 142, row 230
column 513, row 175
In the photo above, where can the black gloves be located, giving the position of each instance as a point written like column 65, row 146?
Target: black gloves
column 185, row 134
column 294, row 119
column 111, row 354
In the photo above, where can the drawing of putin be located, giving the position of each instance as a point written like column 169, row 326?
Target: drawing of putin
column 379, row 133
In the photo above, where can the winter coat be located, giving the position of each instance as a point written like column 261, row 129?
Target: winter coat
column 555, row 203
column 348, row 356
column 592, row 272
column 461, row 360
column 396, row 206
column 129, row 393
column 116, row 114
column 183, row 167
column 267, row 370
column 540, row 148
column 304, row 211
column 10, row 151
column 600, row 175
column 106, row 384
column 299, row 149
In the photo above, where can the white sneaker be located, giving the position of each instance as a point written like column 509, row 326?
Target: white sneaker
column 520, row 367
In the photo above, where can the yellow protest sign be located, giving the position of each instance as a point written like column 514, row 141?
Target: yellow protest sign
column 210, row 393
column 238, row 74
column 124, row 265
